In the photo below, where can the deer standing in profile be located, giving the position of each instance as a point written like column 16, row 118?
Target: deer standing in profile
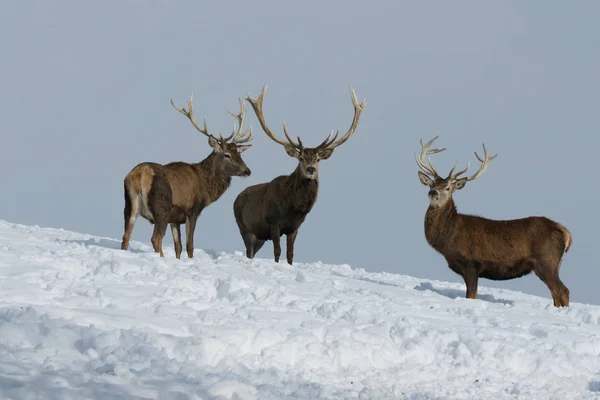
column 477, row 247
column 269, row 210
column 177, row 192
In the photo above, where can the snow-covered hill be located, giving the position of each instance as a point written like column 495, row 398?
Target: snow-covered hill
column 80, row 319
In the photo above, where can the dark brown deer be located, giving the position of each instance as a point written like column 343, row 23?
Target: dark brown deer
column 177, row 192
column 477, row 247
column 269, row 210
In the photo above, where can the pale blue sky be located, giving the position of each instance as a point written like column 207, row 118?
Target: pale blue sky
column 85, row 89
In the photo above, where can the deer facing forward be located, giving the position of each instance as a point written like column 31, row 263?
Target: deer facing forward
column 269, row 210
column 477, row 247
column 177, row 192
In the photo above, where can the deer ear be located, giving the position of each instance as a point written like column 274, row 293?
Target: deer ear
column 325, row 154
column 459, row 184
column 292, row 151
column 243, row 148
column 214, row 143
column 425, row 180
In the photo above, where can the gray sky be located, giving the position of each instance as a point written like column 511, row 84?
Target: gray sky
column 85, row 89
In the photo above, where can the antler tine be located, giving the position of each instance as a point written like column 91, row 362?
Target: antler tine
column 425, row 168
column 425, row 151
column 452, row 176
column 328, row 140
column 358, row 108
column 190, row 115
column 245, row 137
column 297, row 145
column 257, row 105
column 240, row 135
column 484, row 163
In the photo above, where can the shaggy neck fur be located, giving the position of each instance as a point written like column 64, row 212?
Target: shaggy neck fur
column 440, row 223
column 216, row 181
column 301, row 193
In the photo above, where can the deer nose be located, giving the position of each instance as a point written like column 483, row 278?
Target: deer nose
column 247, row 172
column 311, row 170
column 433, row 193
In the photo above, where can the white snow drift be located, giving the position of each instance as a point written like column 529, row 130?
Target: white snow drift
column 80, row 319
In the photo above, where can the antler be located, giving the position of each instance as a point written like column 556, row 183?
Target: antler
column 190, row 115
column 358, row 108
column 451, row 176
column 240, row 136
column 426, row 152
column 236, row 137
column 484, row 164
column 257, row 105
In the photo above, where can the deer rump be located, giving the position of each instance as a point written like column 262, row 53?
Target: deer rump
column 259, row 207
column 505, row 249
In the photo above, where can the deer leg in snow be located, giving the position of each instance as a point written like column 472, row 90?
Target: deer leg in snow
column 160, row 228
column 470, row 277
column 248, row 243
column 275, row 237
column 176, row 231
column 291, row 238
column 257, row 245
column 130, row 213
column 550, row 278
column 190, row 227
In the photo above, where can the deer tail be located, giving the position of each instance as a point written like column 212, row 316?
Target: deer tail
column 567, row 236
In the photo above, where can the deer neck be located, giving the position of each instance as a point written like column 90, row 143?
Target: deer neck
column 440, row 225
column 302, row 192
column 216, row 181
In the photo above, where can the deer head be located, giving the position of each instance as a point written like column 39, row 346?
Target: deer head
column 308, row 158
column 227, row 150
column 441, row 189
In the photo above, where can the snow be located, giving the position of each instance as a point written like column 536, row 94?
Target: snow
column 82, row 319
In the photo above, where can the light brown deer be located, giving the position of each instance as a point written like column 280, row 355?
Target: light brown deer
column 268, row 210
column 177, row 192
column 477, row 247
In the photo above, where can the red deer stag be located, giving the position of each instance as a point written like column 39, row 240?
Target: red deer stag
column 268, row 210
column 477, row 247
column 177, row 192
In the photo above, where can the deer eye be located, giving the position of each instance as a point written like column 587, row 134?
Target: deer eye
column 448, row 189
column 227, row 155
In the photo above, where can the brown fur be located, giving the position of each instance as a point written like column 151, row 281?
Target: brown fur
column 494, row 249
column 269, row 210
column 177, row 192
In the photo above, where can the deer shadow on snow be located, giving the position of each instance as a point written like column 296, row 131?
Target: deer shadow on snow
column 455, row 293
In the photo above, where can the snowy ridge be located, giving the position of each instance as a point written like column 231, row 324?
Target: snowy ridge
column 81, row 319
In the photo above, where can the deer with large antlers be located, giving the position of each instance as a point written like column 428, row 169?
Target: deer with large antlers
column 177, row 192
column 269, row 210
column 476, row 247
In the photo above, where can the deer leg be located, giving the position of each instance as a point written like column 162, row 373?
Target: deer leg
column 470, row 276
column 190, row 227
column 560, row 293
column 249, row 240
column 130, row 213
column 176, row 231
column 275, row 237
column 160, row 228
column 291, row 238
column 564, row 291
column 257, row 245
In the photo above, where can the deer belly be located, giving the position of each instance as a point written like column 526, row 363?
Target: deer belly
column 502, row 271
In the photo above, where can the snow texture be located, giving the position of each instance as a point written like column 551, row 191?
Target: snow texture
column 82, row 319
